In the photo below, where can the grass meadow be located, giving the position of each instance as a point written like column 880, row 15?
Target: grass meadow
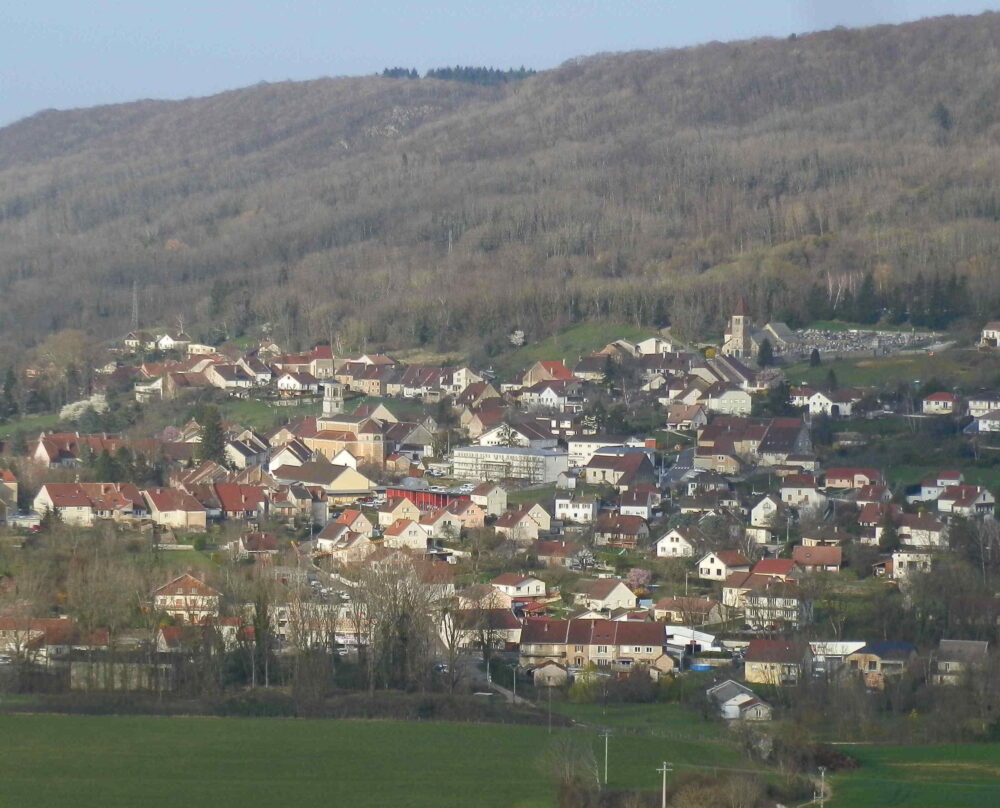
column 113, row 761
column 957, row 776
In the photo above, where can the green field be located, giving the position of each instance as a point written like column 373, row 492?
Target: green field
column 571, row 344
column 245, row 763
column 258, row 415
column 30, row 425
column 965, row 368
column 400, row 407
column 960, row 776
column 660, row 720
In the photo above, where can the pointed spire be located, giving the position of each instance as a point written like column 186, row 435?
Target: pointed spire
column 741, row 308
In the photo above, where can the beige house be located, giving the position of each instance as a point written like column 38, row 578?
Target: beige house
column 441, row 524
column 405, row 534
column 549, row 674
column 954, row 660
column 187, row 598
column 468, row 513
column 518, row 527
column 879, row 661
column 610, row 645
column 68, row 501
column 176, row 509
column 491, row 498
column 776, row 662
column 396, row 509
column 342, row 484
column 606, row 594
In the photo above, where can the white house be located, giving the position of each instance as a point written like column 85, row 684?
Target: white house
column 907, row 562
column 991, row 335
column 966, row 500
column 984, row 402
column 519, row 586
column 940, row 404
column 169, row 342
column 606, row 594
column 681, row 542
column 582, row 510
column 720, row 565
column 405, row 534
column 728, row 400
column 837, row 404
column 800, row 491
column 297, row 383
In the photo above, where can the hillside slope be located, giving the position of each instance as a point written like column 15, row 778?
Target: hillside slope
column 849, row 168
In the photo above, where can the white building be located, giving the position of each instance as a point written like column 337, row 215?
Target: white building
column 681, row 542
column 499, row 462
column 582, row 510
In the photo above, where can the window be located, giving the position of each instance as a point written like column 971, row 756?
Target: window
column 602, row 649
column 578, row 649
column 649, row 649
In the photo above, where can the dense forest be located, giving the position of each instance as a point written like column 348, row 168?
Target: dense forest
column 850, row 172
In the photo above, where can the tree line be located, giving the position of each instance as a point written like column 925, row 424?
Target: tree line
column 485, row 76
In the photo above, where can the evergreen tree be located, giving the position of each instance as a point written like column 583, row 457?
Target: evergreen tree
column 831, row 380
column 106, row 470
column 765, row 353
column 814, row 358
column 941, row 115
column 8, row 402
column 213, row 436
column 865, row 303
column 888, row 540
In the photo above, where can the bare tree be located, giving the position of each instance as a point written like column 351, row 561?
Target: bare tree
column 570, row 763
column 398, row 609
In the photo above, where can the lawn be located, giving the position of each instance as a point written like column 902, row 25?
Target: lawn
column 31, row 424
column 258, row 415
column 245, row 763
column 967, row 369
column 961, row 776
column 187, row 559
column 400, row 407
column 657, row 719
column 570, row 345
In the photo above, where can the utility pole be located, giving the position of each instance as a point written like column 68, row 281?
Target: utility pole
column 549, row 688
column 822, row 786
column 666, row 767
column 135, row 305
column 605, row 734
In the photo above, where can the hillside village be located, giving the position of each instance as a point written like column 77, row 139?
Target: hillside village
column 648, row 508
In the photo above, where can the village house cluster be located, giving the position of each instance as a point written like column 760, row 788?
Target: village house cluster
column 527, row 466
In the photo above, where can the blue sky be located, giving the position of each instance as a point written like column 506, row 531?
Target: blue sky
column 67, row 53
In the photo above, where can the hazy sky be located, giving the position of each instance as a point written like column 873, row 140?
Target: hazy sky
column 68, row 53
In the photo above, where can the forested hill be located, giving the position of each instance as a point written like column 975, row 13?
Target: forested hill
column 851, row 169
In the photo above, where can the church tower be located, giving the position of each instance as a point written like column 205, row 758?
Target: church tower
column 737, row 342
column 333, row 398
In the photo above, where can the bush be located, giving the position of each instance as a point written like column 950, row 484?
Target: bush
column 200, row 543
column 258, row 704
